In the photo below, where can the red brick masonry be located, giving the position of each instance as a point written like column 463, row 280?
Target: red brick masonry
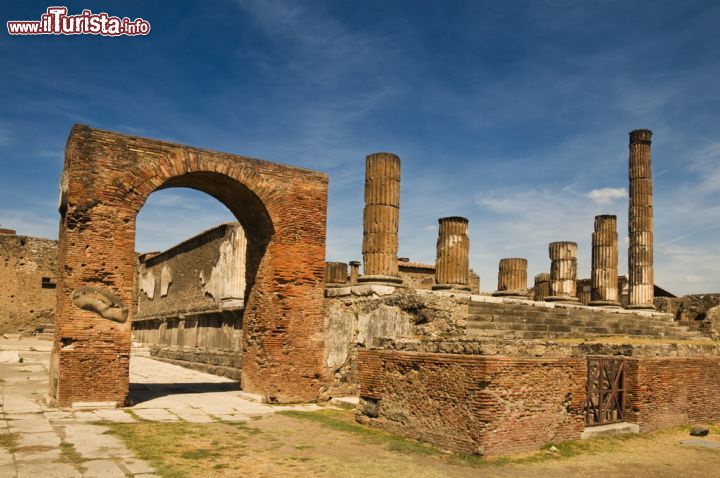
column 106, row 179
column 496, row 405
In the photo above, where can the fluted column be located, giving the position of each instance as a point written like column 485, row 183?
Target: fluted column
column 380, row 218
column 453, row 246
column 563, row 271
column 542, row 286
column 640, row 218
column 354, row 272
column 512, row 277
column 335, row 274
column 604, row 275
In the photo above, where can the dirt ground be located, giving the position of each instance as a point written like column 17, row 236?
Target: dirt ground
column 330, row 444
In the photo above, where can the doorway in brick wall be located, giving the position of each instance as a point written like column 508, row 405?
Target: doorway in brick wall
column 605, row 391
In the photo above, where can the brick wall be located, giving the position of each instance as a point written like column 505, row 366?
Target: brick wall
column 473, row 404
column 28, row 274
column 106, row 179
column 670, row 391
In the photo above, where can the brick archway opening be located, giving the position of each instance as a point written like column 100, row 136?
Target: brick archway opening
column 106, row 179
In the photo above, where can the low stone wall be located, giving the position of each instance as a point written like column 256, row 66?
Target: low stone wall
column 358, row 316
column 210, row 342
column 693, row 311
column 492, row 405
column 473, row 404
column 671, row 391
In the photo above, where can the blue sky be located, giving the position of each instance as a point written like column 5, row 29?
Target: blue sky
column 514, row 114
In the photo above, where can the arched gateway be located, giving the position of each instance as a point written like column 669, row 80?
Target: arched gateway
column 106, row 179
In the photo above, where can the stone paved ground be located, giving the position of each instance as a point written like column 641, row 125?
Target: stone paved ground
column 67, row 443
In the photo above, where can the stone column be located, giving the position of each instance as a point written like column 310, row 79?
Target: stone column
column 542, row 286
column 380, row 218
column 604, row 276
column 512, row 277
column 354, row 272
column 453, row 246
column 335, row 274
column 640, row 252
column 563, row 271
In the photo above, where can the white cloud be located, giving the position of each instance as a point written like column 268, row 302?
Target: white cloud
column 607, row 195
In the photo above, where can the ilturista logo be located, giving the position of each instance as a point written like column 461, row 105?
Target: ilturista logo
column 56, row 21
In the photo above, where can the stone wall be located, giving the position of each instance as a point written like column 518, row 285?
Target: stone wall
column 203, row 273
column 671, row 391
column 28, row 274
column 417, row 275
column 492, row 405
column 473, row 404
column 359, row 316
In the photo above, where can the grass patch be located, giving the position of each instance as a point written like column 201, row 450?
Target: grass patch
column 183, row 449
column 342, row 420
column 69, row 454
column 9, row 440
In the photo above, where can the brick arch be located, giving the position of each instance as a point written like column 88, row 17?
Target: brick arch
column 106, row 179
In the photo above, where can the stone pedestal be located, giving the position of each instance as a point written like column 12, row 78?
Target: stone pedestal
column 604, row 276
column 354, row 272
column 336, row 274
column 563, row 272
column 380, row 219
column 641, row 281
column 542, row 286
column 512, row 278
column 452, row 263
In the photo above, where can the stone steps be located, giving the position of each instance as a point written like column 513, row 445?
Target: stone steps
column 525, row 321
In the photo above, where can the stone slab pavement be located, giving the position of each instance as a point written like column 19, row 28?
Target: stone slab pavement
column 41, row 436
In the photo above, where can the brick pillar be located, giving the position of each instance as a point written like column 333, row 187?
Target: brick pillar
column 604, row 277
column 335, row 274
column 563, row 271
column 640, row 253
column 512, row 277
column 453, row 246
column 380, row 218
column 354, row 272
column 542, row 286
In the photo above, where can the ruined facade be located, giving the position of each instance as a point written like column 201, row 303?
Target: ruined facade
column 28, row 274
column 191, row 301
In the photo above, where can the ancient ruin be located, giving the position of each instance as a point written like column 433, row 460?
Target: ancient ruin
column 640, row 224
column 604, row 275
column 381, row 218
column 563, row 271
column 512, row 277
column 452, row 263
column 106, row 179
column 428, row 354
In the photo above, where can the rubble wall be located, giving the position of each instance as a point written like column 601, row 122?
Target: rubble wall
column 28, row 273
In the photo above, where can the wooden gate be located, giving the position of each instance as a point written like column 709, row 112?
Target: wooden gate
column 605, row 391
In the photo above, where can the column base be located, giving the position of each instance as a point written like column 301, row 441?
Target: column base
column 380, row 279
column 640, row 306
column 562, row 298
column 460, row 288
column 335, row 285
column 511, row 293
column 604, row 303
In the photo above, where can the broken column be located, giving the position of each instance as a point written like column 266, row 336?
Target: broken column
column 563, row 271
column 604, row 276
column 452, row 264
column 542, row 286
column 380, row 218
column 335, row 274
column 512, row 277
column 354, row 272
column 640, row 219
